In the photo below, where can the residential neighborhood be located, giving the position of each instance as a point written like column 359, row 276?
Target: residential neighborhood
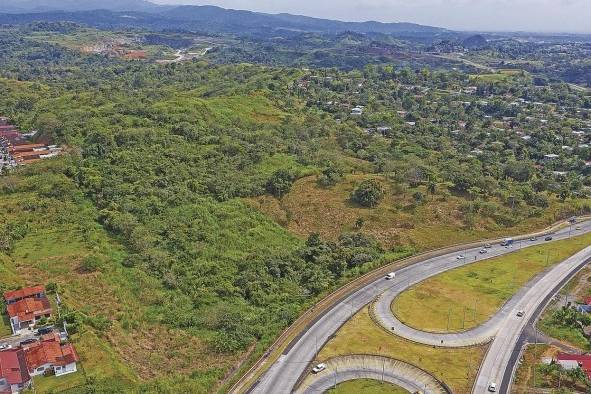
column 35, row 348
column 16, row 148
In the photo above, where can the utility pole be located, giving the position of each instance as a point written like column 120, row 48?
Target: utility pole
column 335, row 377
column 448, row 318
column 464, row 319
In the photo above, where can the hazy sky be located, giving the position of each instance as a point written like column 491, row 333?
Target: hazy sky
column 523, row 15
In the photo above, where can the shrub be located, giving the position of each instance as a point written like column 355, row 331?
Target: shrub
column 368, row 194
column 91, row 264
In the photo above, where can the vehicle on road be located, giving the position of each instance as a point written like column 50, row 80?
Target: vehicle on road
column 533, row 239
column 461, row 257
column 391, row 275
column 578, row 228
column 319, row 368
column 487, row 246
column 5, row 346
column 507, row 242
column 520, row 313
column 548, row 238
column 483, row 251
column 492, row 387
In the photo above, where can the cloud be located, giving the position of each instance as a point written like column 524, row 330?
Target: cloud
column 488, row 15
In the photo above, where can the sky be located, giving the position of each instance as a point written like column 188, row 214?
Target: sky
column 474, row 15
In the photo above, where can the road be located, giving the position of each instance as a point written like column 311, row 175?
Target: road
column 381, row 369
column 382, row 312
column 284, row 374
column 504, row 352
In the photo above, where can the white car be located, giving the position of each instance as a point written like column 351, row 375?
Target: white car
column 319, row 368
column 391, row 275
column 520, row 313
column 483, row 251
column 461, row 257
column 492, row 387
column 5, row 346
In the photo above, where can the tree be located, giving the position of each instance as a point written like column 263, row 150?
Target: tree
column 368, row 194
column 280, row 183
column 330, row 176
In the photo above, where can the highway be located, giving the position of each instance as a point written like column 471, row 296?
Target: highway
column 284, row 375
column 502, row 356
column 381, row 369
column 381, row 308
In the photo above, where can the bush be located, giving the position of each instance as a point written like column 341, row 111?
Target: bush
column 91, row 264
column 280, row 183
column 368, row 194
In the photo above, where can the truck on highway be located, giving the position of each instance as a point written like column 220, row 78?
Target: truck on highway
column 507, row 242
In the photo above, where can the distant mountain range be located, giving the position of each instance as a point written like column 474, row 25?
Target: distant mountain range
column 144, row 14
column 26, row 6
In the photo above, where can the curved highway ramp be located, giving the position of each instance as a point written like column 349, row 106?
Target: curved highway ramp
column 383, row 369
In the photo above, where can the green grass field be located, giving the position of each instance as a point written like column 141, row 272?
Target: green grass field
column 466, row 297
column 366, row 386
column 360, row 335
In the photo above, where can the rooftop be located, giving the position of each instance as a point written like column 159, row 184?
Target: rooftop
column 29, row 308
column 13, row 366
column 24, row 293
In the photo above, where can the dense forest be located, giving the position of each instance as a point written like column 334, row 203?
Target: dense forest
column 175, row 162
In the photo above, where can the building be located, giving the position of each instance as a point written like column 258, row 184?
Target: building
column 574, row 361
column 26, row 307
column 357, row 111
column 50, row 354
column 14, row 375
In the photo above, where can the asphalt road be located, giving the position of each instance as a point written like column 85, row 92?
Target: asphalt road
column 284, row 374
column 380, row 369
column 504, row 353
column 478, row 335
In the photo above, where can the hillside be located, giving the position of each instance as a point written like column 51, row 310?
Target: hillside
column 198, row 208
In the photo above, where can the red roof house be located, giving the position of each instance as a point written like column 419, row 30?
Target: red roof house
column 572, row 361
column 27, row 292
column 14, row 375
column 49, row 353
column 26, row 306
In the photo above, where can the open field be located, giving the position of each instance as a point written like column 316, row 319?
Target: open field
column 466, row 297
column 396, row 221
column 366, row 386
column 360, row 335
column 120, row 338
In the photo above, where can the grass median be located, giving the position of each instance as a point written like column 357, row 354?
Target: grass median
column 457, row 367
column 466, row 297
column 366, row 386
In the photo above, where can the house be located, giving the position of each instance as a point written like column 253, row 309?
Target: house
column 14, row 375
column 50, row 354
column 357, row 111
column 584, row 308
column 551, row 156
column 574, row 361
column 26, row 307
column 12, row 297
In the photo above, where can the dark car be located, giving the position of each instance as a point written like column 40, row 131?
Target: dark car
column 45, row 330
column 28, row 341
column 548, row 238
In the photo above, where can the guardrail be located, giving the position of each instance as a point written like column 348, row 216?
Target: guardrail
column 332, row 299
